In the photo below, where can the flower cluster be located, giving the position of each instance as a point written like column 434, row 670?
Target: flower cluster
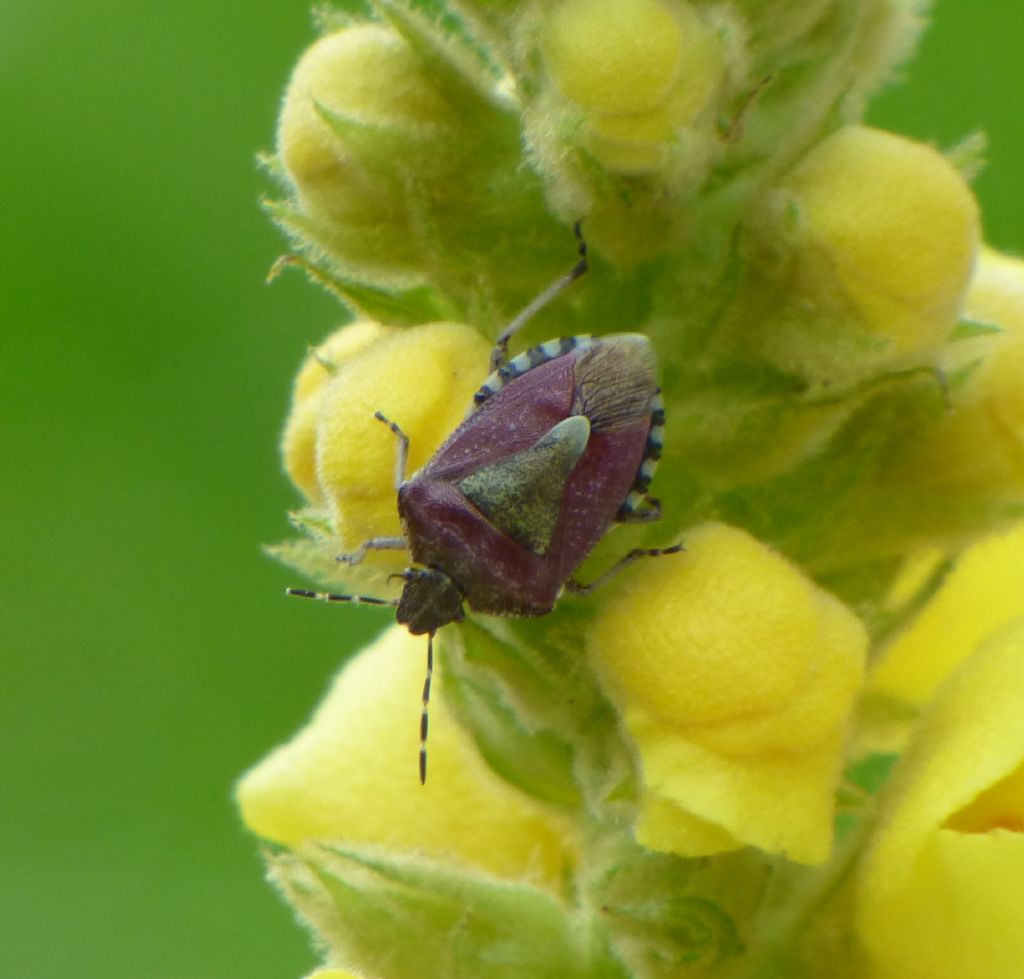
column 794, row 749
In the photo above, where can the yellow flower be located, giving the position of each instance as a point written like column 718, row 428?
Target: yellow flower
column 351, row 776
column 941, row 888
column 982, row 593
column 734, row 675
column 665, row 50
column 887, row 229
column 421, row 378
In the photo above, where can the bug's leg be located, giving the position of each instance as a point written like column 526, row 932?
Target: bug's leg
column 645, row 509
column 326, row 596
column 401, row 462
column 402, row 454
column 373, row 544
column 575, row 588
column 500, row 353
column 424, row 717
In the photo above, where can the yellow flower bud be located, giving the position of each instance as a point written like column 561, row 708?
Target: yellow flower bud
column 735, row 676
column 366, row 73
column 298, row 443
column 942, row 885
column 978, row 447
column 888, row 228
column 981, row 594
column 351, row 776
column 423, row 379
column 639, row 71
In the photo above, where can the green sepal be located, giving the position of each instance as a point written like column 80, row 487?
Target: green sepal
column 456, row 65
column 967, row 329
column 270, row 164
column 658, row 938
column 410, row 918
column 377, row 256
column 313, row 523
column 373, row 140
column 395, row 307
column 666, row 913
column 317, row 561
column 957, row 378
column 536, row 760
column 867, row 588
column 538, row 669
column 330, row 17
column 834, row 512
column 872, row 771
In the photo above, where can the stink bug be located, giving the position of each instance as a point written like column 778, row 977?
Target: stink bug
column 561, row 442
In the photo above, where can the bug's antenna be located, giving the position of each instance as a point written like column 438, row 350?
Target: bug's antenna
column 500, row 352
column 424, row 718
column 326, row 596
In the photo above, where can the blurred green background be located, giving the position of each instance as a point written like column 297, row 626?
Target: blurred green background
column 148, row 655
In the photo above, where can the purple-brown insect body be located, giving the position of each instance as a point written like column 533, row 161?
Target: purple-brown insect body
column 521, row 492
column 562, row 441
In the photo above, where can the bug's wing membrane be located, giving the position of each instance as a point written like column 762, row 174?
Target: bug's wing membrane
column 615, row 381
column 522, row 493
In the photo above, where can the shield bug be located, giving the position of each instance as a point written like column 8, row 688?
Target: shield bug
column 560, row 443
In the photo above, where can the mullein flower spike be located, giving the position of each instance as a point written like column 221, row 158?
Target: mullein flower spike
column 683, row 770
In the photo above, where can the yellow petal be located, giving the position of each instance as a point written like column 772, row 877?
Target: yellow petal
column 421, row 378
column 982, row 593
column 641, row 72
column 735, row 676
column 351, row 775
column 298, row 443
column 979, row 445
column 942, row 886
column 613, row 57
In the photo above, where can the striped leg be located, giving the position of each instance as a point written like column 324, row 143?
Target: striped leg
column 373, row 544
column 500, row 353
column 575, row 588
column 402, row 455
column 401, row 463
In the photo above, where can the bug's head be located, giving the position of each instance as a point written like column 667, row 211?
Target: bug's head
column 430, row 599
